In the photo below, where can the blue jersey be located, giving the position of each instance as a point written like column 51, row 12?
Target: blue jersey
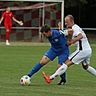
column 58, row 41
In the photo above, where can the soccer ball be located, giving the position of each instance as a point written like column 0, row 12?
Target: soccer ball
column 25, row 80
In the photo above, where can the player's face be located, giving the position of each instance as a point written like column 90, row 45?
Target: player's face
column 48, row 34
column 68, row 22
column 8, row 9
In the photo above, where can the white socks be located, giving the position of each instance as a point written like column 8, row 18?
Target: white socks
column 91, row 70
column 64, row 67
column 59, row 72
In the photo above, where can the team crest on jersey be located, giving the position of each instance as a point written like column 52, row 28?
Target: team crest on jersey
column 56, row 40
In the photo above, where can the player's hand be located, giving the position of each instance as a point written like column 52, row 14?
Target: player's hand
column 21, row 23
column 69, row 42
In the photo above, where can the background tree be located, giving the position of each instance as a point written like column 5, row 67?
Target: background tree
column 72, row 3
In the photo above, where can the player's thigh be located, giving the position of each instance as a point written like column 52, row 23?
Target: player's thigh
column 7, row 27
column 49, row 55
column 79, row 56
column 10, row 26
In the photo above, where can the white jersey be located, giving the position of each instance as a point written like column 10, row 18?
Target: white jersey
column 82, row 44
column 83, row 52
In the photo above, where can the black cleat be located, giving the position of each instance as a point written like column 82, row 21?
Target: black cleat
column 62, row 82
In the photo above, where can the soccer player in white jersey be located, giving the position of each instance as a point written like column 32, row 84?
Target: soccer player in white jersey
column 81, row 55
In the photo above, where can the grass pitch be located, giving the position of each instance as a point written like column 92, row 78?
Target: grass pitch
column 17, row 60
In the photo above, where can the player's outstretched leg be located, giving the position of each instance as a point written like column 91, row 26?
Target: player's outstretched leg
column 48, row 80
column 36, row 68
column 59, row 72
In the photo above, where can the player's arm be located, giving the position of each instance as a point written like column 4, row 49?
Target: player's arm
column 59, row 26
column 3, row 16
column 67, row 32
column 77, row 38
column 1, row 19
column 17, row 21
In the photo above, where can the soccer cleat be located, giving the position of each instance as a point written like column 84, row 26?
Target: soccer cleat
column 62, row 82
column 7, row 43
column 47, row 78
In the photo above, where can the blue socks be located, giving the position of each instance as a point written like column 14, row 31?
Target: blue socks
column 36, row 68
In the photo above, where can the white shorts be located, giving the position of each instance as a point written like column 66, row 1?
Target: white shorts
column 81, row 56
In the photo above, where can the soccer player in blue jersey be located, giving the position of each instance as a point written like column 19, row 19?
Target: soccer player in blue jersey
column 59, row 48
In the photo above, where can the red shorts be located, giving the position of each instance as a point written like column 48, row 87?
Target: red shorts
column 8, row 26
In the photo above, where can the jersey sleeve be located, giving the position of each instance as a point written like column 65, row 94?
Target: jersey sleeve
column 76, row 30
column 60, row 32
column 64, row 32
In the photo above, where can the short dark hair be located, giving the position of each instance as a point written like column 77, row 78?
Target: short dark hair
column 45, row 29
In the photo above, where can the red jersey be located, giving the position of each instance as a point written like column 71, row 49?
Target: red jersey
column 7, row 18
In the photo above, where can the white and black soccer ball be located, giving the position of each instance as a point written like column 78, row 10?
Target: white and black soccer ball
column 25, row 80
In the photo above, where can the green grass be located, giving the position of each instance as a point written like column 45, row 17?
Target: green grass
column 16, row 61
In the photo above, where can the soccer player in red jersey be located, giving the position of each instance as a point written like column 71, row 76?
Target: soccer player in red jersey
column 7, row 16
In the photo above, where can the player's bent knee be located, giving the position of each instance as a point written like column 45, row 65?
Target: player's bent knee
column 69, row 63
column 44, row 60
column 7, row 30
column 85, row 66
column 59, row 65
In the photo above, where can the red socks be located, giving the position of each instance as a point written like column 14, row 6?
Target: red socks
column 8, row 35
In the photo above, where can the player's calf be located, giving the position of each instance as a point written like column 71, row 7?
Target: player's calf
column 89, row 69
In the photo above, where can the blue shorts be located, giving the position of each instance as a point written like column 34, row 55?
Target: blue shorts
column 62, row 56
